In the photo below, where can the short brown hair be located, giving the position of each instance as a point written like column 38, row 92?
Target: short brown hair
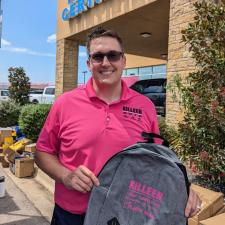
column 102, row 32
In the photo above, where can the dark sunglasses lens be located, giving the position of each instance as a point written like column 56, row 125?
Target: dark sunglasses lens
column 98, row 57
column 113, row 56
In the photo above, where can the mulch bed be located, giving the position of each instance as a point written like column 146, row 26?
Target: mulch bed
column 209, row 185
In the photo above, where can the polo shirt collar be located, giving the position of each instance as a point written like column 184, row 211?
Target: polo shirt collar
column 126, row 92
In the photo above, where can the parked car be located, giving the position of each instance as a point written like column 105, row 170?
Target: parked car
column 4, row 95
column 46, row 96
column 154, row 89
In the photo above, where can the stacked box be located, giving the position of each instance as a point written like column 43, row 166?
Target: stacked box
column 5, row 164
column 30, row 148
column 24, row 167
column 5, row 132
column 215, row 220
column 212, row 202
column 222, row 210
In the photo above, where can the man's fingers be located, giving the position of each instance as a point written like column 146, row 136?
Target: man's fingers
column 82, row 187
column 89, row 174
column 193, row 204
column 81, row 179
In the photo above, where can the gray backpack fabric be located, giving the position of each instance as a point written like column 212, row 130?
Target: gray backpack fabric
column 146, row 184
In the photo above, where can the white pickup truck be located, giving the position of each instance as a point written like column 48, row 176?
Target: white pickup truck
column 46, row 97
column 4, row 95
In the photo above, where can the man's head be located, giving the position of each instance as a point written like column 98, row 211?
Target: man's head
column 106, row 59
column 101, row 32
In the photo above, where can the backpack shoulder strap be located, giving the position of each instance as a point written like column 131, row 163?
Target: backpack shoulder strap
column 149, row 138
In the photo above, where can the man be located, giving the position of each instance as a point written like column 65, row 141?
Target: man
column 90, row 124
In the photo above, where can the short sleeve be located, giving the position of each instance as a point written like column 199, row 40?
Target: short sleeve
column 48, row 140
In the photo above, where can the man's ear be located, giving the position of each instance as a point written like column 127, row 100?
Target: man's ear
column 88, row 64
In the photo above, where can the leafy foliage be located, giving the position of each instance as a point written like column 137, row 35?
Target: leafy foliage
column 19, row 85
column 202, row 132
column 32, row 118
column 9, row 113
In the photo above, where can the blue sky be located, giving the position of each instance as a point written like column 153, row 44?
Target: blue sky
column 28, row 40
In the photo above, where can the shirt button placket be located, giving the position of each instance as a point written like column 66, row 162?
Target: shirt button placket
column 107, row 115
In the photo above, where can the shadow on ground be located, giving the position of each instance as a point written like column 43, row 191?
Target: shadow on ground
column 33, row 220
column 7, row 204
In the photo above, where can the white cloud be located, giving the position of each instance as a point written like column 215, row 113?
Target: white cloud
column 51, row 38
column 26, row 51
column 5, row 42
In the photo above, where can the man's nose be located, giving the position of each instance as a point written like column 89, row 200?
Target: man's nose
column 105, row 61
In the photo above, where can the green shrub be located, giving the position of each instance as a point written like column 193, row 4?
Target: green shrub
column 19, row 85
column 9, row 113
column 202, row 131
column 172, row 135
column 32, row 118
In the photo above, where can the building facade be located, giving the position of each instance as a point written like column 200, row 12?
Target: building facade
column 151, row 30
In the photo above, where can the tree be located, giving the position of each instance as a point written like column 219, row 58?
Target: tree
column 19, row 85
column 202, row 132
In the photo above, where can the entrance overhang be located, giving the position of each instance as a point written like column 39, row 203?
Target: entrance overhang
column 151, row 16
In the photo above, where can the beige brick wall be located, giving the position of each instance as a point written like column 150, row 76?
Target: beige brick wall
column 66, row 65
column 179, row 57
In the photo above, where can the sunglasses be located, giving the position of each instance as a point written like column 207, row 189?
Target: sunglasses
column 112, row 56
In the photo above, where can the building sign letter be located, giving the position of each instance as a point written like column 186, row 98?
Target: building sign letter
column 76, row 7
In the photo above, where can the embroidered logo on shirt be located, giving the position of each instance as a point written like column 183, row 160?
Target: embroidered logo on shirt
column 132, row 113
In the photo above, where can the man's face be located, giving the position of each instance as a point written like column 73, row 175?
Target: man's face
column 106, row 61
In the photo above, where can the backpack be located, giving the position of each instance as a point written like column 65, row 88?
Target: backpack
column 145, row 184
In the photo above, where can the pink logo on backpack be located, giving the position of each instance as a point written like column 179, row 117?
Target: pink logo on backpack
column 142, row 198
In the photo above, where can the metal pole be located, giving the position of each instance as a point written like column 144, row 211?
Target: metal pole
column 84, row 73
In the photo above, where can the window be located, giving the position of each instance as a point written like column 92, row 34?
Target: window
column 154, row 89
column 159, row 69
column 5, row 93
column 133, row 71
column 36, row 91
column 50, row 91
column 145, row 70
column 124, row 72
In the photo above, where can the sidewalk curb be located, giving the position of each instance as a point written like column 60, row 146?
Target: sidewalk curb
column 38, row 191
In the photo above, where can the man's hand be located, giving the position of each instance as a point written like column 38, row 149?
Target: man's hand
column 193, row 205
column 81, row 179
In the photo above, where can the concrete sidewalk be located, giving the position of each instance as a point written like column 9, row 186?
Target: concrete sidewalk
column 26, row 201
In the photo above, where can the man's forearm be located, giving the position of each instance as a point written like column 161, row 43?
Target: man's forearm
column 50, row 164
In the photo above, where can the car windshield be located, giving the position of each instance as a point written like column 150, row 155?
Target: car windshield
column 36, row 91
column 5, row 93
column 50, row 91
column 154, row 89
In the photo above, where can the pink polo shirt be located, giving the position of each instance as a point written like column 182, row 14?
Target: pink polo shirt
column 81, row 129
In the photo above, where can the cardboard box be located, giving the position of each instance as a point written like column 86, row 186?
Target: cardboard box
column 9, row 155
column 24, row 167
column 8, row 140
column 5, row 164
column 5, row 132
column 20, row 145
column 215, row 220
column 222, row 210
column 212, row 202
column 1, row 157
column 30, row 148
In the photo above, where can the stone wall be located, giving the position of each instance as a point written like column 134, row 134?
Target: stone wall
column 66, row 65
column 179, row 57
